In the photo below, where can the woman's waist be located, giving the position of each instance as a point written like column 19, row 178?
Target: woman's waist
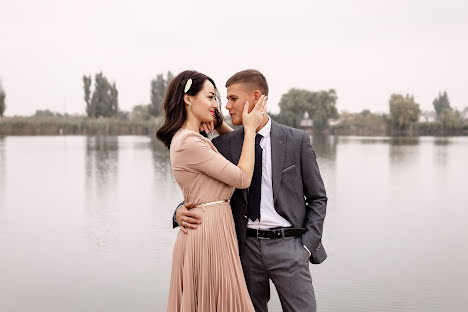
column 209, row 204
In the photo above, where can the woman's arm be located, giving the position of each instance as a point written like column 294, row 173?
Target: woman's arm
column 196, row 153
column 224, row 128
column 251, row 121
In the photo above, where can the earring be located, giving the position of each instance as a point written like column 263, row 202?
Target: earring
column 190, row 106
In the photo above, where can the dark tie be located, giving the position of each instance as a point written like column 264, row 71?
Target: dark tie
column 255, row 190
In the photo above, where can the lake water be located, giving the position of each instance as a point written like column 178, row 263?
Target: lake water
column 85, row 224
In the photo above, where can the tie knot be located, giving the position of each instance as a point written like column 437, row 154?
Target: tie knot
column 258, row 137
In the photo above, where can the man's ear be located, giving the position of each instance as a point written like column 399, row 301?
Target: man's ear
column 257, row 94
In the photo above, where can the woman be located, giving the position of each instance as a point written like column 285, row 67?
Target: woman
column 206, row 269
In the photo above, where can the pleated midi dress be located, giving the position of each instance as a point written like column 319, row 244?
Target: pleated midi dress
column 206, row 272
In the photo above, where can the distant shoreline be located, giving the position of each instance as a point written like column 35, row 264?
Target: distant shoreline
column 80, row 125
column 71, row 125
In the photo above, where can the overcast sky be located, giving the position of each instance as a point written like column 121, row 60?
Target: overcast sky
column 364, row 49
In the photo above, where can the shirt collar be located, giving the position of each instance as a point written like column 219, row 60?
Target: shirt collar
column 265, row 131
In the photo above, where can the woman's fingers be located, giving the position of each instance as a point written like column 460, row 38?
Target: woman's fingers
column 258, row 105
column 264, row 104
column 212, row 126
column 246, row 107
column 205, row 128
column 202, row 127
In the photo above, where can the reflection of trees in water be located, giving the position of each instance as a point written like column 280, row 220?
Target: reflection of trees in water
column 403, row 149
column 442, row 141
column 325, row 146
column 441, row 150
column 101, row 158
column 101, row 176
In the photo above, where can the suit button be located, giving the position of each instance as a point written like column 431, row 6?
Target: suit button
column 245, row 217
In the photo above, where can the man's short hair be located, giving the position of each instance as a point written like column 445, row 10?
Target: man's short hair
column 252, row 78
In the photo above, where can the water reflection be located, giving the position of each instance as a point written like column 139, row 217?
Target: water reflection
column 442, row 141
column 441, row 152
column 101, row 159
column 102, row 153
column 403, row 149
column 161, row 159
column 325, row 146
column 99, row 218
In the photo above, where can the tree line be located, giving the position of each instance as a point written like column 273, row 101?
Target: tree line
column 2, row 100
column 101, row 100
column 404, row 114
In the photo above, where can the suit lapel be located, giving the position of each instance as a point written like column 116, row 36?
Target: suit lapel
column 236, row 149
column 278, row 148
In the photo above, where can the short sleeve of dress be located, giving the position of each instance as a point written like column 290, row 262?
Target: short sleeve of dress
column 196, row 154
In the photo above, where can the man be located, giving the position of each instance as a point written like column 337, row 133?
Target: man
column 279, row 219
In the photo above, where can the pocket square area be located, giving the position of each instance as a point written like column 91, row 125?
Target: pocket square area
column 289, row 168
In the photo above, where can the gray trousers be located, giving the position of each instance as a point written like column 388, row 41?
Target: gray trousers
column 286, row 262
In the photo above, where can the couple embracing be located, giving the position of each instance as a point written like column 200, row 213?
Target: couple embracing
column 254, row 200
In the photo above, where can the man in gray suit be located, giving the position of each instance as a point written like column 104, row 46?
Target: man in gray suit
column 279, row 218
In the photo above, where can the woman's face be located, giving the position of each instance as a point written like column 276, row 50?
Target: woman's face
column 203, row 105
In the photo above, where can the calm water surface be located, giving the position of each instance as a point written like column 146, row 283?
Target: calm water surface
column 85, row 224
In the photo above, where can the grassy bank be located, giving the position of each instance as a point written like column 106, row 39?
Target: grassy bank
column 75, row 125
column 371, row 125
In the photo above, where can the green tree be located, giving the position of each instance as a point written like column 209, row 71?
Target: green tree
column 45, row 113
column 321, row 107
column 91, row 111
column 451, row 120
column 104, row 99
column 403, row 111
column 158, row 92
column 441, row 104
column 2, row 101
column 288, row 118
column 141, row 112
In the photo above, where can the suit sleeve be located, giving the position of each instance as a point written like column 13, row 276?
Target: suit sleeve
column 197, row 155
column 174, row 222
column 316, row 201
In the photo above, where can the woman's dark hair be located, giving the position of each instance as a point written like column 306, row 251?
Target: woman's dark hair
column 175, row 113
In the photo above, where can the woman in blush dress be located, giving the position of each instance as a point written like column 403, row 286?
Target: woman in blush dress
column 206, row 273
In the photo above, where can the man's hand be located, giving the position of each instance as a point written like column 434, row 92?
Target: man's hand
column 187, row 219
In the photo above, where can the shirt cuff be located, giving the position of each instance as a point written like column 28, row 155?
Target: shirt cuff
column 307, row 249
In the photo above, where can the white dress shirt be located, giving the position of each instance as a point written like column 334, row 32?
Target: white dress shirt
column 269, row 218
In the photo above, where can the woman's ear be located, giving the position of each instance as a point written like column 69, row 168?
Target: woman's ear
column 187, row 99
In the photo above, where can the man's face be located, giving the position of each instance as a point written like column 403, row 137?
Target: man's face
column 237, row 95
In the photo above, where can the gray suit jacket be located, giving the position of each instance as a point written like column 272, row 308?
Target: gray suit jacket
column 298, row 192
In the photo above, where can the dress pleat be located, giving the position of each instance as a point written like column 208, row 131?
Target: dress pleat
column 206, row 272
